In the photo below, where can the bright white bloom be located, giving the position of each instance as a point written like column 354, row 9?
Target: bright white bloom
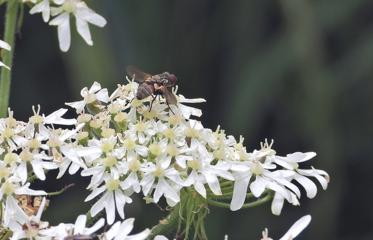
column 28, row 226
column 68, row 230
column 164, row 179
column 83, row 16
column 7, row 47
column 113, row 198
column 91, row 96
column 42, row 7
column 121, row 231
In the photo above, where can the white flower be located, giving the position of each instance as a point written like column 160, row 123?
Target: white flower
column 5, row 46
column 79, row 229
column 91, row 96
column 202, row 171
column 83, row 15
column 290, row 162
column 294, row 230
column 164, row 179
column 42, row 7
column 24, row 226
column 260, row 166
column 121, row 230
column 113, row 198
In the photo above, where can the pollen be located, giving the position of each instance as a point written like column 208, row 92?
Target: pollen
column 169, row 133
column 155, row 149
column 8, row 188
column 107, row 146
column 194, row 164
column 140, row 126
column 107, row 132
column 191, row 132
column 4, row 172
column 84, row 118
column 8, row 133
column 110, row 161
column 121, row 117
column 114, row 108
column 134, row 165
column 90, row 98
column 26, row 155
column 129, row 144
column 82, row 135
column 112, row 184
column 10, row 158
column 174, row 120
column 34, row 144
column 159, row 172
column 257, row 169
column 172, row 150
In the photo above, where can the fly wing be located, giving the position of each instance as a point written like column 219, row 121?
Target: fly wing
column 170, row 97
column 137, row 74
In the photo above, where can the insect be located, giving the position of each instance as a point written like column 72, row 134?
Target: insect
column 154, row 85
column 29, row 204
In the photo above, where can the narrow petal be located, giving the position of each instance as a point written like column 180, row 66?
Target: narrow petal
column 297, row 228
column 239, row 191
column 83, row 30
column 5, row 45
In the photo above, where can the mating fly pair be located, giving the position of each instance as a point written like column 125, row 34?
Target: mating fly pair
column 154, row 85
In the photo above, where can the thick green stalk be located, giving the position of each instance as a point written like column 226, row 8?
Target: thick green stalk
column 9, row 37
column 167, row 225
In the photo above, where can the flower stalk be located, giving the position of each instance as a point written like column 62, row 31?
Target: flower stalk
column 9, row 37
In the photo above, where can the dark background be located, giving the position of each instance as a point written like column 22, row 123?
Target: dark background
column 297, row 71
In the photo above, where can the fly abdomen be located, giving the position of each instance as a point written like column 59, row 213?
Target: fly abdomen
column 144, row 90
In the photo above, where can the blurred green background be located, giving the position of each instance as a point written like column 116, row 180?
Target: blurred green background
column 297, row 71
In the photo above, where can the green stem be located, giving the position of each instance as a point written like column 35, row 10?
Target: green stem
column 60, row 191
column 166, row 225
column 256, row 203
column 9, row 37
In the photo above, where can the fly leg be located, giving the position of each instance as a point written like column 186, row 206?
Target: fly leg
column 169, row 107
column 151, row 103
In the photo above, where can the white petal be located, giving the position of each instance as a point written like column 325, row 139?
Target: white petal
column 143, row 235
column 90, row 16
column 297, row 228
column 200, row 188
column 120, row 200
column 239, row 191
column 56, row 118
column 83, row 30
column 213, row 182
column 277, row 204
column 3, row 65
column 5, row 45
column 64, row 35
column 169, row 192
column 78, row 105
column 309, row 186
column 125, row 228
column 99, row 224
column 95, row 193
column 38, row 170
column 99, row 205
column 110, row 208
column 258, row 186
column 103, row 95
column 80, row 224
column 113, row 231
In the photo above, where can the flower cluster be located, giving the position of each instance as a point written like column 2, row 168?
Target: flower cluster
column 61, row 11
column 127, row 146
